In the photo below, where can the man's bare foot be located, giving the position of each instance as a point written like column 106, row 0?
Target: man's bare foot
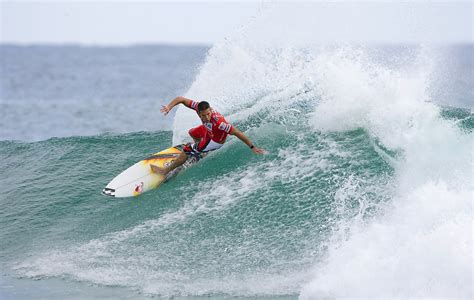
column 158, row 170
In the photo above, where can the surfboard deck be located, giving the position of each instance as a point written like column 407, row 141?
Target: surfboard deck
column 139, row 178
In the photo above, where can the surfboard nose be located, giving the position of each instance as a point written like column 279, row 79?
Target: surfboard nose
column 108, row 192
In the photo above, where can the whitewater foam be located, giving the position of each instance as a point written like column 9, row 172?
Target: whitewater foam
column 343, row 89
column 365, row 191
column 420, row 246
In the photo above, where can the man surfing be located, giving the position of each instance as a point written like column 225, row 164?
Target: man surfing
column 209, row 136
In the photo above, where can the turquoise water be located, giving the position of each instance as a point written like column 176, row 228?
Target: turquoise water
column 366, row 189
column 235, row 224
column 231, row 216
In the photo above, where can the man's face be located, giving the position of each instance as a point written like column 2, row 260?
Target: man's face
column 205, row 115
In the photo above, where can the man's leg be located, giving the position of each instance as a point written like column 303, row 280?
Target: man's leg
column 198, row 133
column 180, row 160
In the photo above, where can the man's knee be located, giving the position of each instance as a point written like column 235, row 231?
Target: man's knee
column 182, row 156
column 197, row 132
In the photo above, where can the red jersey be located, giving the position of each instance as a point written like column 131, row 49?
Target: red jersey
column 218, row 128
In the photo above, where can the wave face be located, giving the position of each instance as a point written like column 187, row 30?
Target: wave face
column 363, row 140
column 366, row 190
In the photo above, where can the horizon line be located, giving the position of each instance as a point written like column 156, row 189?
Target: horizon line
column 104, row 45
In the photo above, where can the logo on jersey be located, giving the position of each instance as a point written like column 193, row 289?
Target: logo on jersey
column 208, row 126
column 224, row 127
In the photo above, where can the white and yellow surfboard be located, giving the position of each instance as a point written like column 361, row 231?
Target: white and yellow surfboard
column 139, row 178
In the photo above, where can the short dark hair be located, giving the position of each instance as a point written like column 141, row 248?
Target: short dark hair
column 203, row 105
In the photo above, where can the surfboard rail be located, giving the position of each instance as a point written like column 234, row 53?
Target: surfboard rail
column 139, row 178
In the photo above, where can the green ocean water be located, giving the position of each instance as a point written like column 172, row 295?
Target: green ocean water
column 366, row 189
column 230, row 217
column 236, row 224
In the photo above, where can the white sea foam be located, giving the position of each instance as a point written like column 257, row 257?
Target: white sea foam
column 421, row 245
column 417, row 243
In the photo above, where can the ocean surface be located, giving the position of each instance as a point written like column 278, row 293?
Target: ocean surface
column 366, row 189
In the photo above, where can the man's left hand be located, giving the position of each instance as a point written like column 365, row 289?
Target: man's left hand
column 258, row 150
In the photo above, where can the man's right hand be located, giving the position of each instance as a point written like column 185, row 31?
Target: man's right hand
column 165, row 109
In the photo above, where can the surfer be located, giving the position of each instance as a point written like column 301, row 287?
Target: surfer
column 209, row 136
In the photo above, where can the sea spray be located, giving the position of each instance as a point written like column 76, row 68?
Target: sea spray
column 364, row 190
column 420, row 244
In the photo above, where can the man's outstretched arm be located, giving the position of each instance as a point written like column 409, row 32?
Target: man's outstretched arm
column 246, row 140
column 178, row 100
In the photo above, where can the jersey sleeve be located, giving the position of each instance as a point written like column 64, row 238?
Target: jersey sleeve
column 194, row 105
column 224, row 126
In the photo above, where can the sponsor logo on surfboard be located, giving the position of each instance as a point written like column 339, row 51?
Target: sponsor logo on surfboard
column 138, row 188
column 166, row 164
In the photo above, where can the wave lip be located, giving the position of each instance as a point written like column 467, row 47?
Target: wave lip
column 341, row 89
column 420, row 244
column 365, row 190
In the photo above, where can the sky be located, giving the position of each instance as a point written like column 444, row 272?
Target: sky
column 121, row 22
column 108, row 22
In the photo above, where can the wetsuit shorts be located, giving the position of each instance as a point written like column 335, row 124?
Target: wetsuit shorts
column 205, row 145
